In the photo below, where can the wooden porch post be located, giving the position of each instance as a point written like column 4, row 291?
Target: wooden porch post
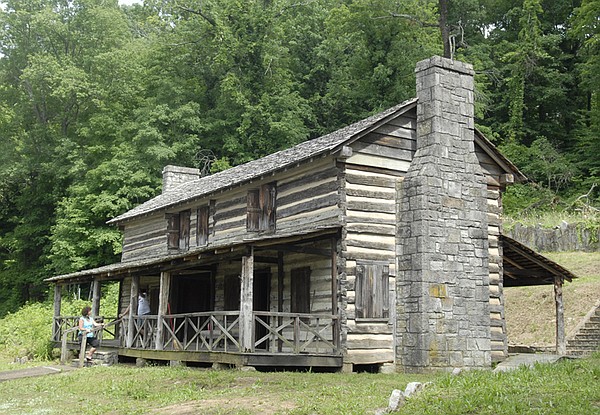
column 561, row 344
column 334, row 292
column 246, row 300
column 163, row 304
column 280, row 277
column 95, row 298
column 133, row 305
column 57, row 303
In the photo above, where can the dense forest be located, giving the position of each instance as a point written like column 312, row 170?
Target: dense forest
column 96, row 98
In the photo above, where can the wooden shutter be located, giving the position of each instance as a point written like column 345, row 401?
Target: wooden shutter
column 372, row 299
column 184, row 229
column 172, row 230
column 300, row 290
column 381, row 291
column 268, row 197
column 202, row 226
column 254, row 211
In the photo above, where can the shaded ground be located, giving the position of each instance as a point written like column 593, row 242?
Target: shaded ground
column 530, row 311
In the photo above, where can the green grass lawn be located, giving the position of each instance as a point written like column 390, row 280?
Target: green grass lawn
column 568, row 387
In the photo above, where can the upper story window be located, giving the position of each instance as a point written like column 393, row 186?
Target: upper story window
column 372, row 291
column 178, row 230
column 202, row 216
column 261, row 208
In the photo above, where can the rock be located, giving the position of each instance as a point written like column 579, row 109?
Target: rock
column 456, row 371
column 396, row 400
column 411, row 388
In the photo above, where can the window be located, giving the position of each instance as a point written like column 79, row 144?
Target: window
column 202, row 216
column 178, row 230
column 300, row 290
column 261, row 208
column 372, row 291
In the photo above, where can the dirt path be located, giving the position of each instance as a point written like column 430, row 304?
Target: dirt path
column 34, row 371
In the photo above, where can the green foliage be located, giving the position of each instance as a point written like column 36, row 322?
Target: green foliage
column 96, row 98
column 27, row 332
column 521, row 199
column 542, row 163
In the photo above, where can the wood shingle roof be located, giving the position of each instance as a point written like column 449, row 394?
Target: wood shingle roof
column 271, row 163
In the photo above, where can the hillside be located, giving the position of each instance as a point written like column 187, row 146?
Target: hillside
column 530, row 311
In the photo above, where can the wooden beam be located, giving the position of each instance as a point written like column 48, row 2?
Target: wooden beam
column 334, row 291
column 163, row 306
column 95, row 298
column 57, row 303
column 265, row 260
column 301, row 250
column 133, row 306
column 246, row 301
column 561, row 343
column 280, row 278
column 535, row 260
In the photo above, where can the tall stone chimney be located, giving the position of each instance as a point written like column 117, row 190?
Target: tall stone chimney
column 443, row 276
column 173, row 176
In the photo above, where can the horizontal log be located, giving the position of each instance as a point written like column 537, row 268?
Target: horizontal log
column 367, row 206
column 370, row 341
column 356, row 177
column 370, row 193
column 386, row 230
column 379, row 161
column 367, row 357
column 308, row 193
column 377, row 149
column 308, row 206
column 329, row 172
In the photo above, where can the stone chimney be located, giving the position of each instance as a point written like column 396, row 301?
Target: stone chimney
column 443, row 276
column 173, row 176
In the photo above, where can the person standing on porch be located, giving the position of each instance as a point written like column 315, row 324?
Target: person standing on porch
column 143, row 304
column 86, row 326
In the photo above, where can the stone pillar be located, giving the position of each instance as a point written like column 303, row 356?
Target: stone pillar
column 443, row 281
column 173, row 176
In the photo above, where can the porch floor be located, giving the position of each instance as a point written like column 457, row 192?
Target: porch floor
column 257, row 358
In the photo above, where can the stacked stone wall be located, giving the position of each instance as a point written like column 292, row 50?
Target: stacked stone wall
column 564, row 238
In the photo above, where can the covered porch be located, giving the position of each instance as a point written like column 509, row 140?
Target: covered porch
column 259, row 304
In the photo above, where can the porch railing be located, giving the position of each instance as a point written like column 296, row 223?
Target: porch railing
column 63, row 324
column 219, row 331
column 295, row 333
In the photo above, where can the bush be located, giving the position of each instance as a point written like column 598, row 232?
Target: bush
column 27, row 332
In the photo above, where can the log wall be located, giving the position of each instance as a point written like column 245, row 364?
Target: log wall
column 370, row 179
column 307, row 199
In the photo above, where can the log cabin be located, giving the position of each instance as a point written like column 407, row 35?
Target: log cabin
column 378, row 245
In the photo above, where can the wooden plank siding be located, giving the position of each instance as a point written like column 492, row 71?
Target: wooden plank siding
column 307, row 199
column 371, row 175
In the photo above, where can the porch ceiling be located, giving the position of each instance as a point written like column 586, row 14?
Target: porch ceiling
column 523, row 266
column 198, row 257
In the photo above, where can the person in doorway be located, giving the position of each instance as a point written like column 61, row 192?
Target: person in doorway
column 86, row 327
column 143, row 305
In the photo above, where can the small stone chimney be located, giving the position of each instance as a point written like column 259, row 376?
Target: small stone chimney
column 443, row 275
column 173, row 176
